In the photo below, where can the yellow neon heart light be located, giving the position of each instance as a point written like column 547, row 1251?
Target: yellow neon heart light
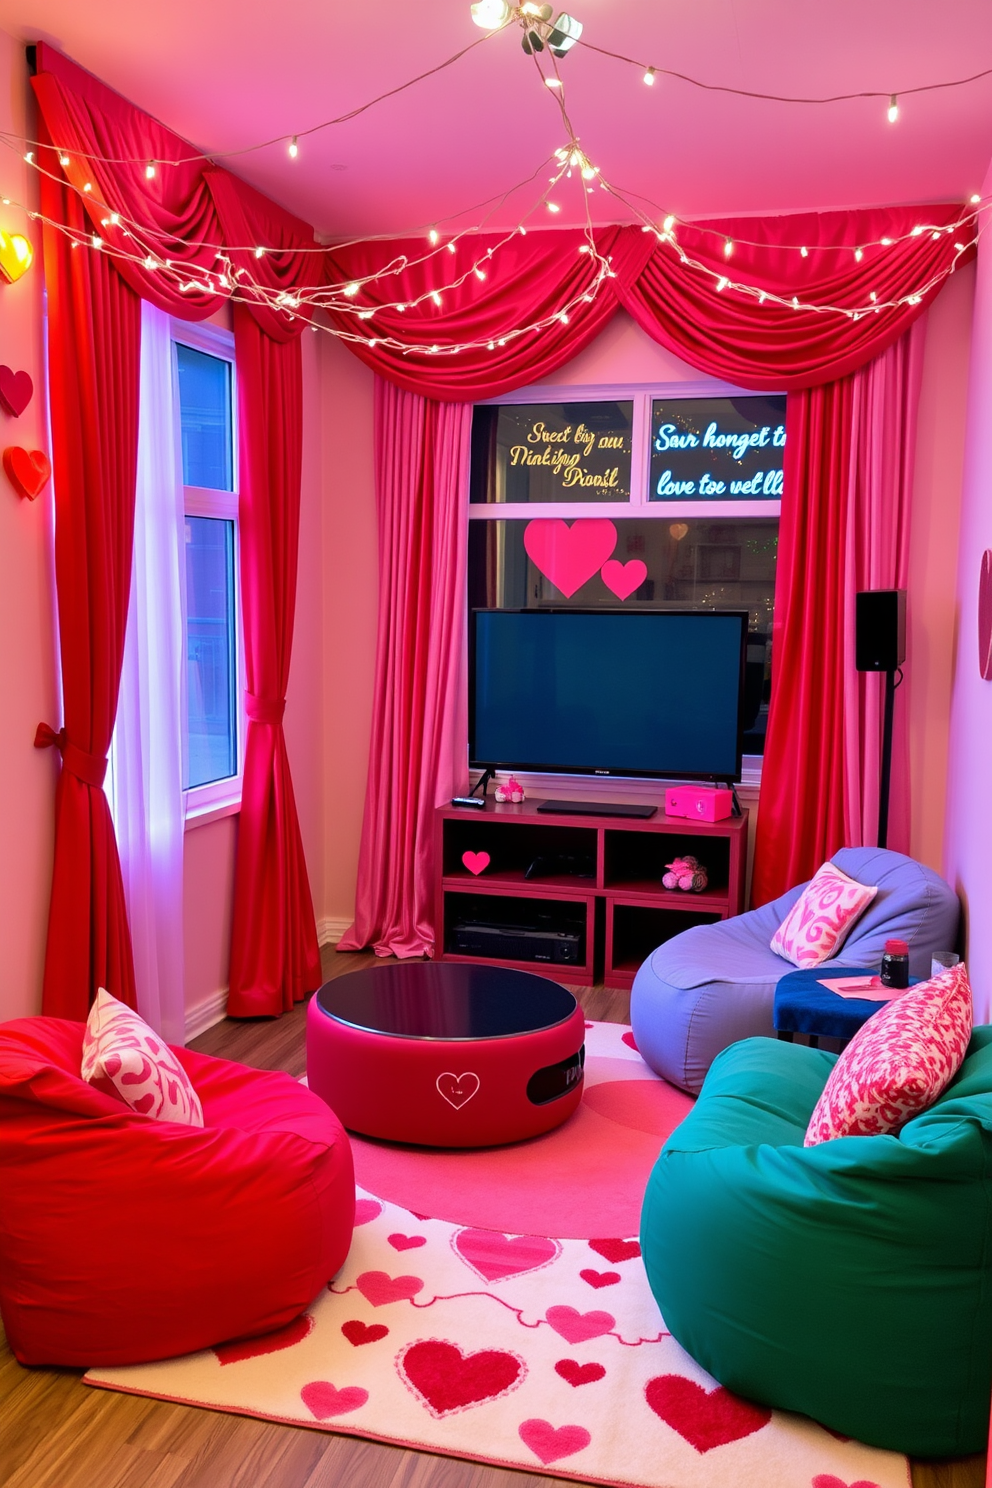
column 16, row 256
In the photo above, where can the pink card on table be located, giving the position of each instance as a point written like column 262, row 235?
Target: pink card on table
column 867, row 988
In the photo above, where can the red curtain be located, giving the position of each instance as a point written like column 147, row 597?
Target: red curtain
column 726, row 333
column 94, row 347
column 275, row 959
column 801, row 817
column 186, row 212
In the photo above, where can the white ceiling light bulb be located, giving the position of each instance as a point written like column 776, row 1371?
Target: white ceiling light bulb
column 975, row 198
column 488, row 14
column 668, row 223
column 294, row 148
column 649, row 77
column 893, row 112
column 150, row 171
column 432, row 237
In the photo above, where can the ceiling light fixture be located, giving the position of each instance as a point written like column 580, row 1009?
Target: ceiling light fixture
column 893, row 113
column 490, row 14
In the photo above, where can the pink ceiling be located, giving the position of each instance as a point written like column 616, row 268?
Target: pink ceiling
column 227, row 73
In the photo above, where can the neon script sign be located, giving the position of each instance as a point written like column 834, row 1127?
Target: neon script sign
column 553, row 452
column 717, row 449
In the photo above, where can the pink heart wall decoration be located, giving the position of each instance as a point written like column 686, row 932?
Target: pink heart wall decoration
column 16, row 390
column 476, row 862
column 623, row 578
column 569, row 556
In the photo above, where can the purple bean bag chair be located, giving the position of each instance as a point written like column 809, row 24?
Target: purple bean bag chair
column 710, row 986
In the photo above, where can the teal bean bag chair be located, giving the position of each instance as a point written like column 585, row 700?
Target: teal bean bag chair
column 851, row 1282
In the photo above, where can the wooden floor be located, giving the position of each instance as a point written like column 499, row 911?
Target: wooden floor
column 57, row 1433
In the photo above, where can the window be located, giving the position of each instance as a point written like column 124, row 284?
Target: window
column 212, row 728
column 691, row 485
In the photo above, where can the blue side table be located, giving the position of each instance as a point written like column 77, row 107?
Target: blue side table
column 803, row 1006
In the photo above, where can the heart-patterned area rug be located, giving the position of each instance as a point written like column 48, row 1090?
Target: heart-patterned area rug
column 517, row 1349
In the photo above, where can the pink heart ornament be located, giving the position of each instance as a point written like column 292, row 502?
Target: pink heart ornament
column 323, row 1400
column 457, row 1090
column 569, row 556
column 579, row 1327
column 494, row 1257
column 476, row 862
column 550, row 1444
column 623, row 578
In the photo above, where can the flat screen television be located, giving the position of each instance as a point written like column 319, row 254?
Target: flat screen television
column 608, row 692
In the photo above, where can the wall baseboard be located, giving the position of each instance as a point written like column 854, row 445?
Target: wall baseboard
column 212, row 1010
column 330, row 929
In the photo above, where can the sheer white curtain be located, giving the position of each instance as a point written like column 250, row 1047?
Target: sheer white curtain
column 146, row 793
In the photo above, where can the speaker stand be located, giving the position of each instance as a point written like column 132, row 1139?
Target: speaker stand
column 886, row 776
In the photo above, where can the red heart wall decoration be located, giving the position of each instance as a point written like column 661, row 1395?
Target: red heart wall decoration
column 16, row 390
column 28, row 471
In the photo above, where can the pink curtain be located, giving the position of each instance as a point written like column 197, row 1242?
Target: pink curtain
column 883, row 444
column 417, row 757
column 844, row 527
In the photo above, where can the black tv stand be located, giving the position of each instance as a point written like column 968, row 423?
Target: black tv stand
column 597, row 808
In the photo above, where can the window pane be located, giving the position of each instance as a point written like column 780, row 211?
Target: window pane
column 723, row 565
column 205, row 419
column 552, row 452
column 717, row 449
column 211, row 652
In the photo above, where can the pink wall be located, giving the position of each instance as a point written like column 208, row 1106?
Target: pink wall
column 969, row 814
column 27, row 639
column 933, row 560
column 350, row 575
column 209, row 848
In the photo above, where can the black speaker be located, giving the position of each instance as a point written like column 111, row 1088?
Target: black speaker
column 880, row 630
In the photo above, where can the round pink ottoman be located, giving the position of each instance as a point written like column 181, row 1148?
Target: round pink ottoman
column 444, row 1054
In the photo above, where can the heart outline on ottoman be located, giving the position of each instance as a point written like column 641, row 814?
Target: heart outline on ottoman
column 28, row 471
column 457, row 1090
column 447, row 1381
column 16, row 390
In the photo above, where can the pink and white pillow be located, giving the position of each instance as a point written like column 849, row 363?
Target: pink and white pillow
column 822, row 917
column 121, row 1052
column 898, row 1062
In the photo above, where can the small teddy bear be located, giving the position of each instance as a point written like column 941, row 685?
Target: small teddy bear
column 686, row 873
column 510, row 790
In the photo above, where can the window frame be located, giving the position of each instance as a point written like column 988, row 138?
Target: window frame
column 642, row 395
column 217, row 798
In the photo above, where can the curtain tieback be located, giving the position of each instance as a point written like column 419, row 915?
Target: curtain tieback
column 264, row 710
column 90, row 768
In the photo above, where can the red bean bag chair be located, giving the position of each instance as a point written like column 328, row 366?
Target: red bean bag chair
column 125, row 1239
